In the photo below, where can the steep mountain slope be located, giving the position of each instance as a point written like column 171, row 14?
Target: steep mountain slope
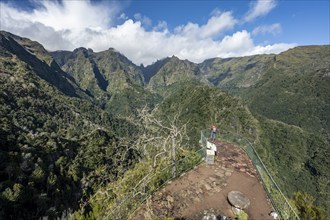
column 169, row 71
column 54, row 148
column 292, row 87
column 38, row 60
column 199, row 106
column 295, row 89
column 297, row 159
column 235, row 73
column 113, row 80
column 107, row 71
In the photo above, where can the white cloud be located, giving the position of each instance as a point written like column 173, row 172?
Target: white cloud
column 143, row 19
column 238, row 43
column 273, row 29
column 123, row 16
column 270, row 49
column 161, row 26
column 58, row 26
column 259, row 8
column 74, row 14
column 217, row 24
column 20, row 23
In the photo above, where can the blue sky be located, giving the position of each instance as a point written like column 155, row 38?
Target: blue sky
column 145, row 31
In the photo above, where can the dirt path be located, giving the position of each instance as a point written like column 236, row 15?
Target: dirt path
column 205, row 189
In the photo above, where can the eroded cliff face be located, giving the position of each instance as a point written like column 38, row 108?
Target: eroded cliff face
column 107, row 71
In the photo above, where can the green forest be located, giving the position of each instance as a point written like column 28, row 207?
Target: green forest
column 80, row 130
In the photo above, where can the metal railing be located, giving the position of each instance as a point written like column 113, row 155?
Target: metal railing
column 126, row 205
column 279, row 201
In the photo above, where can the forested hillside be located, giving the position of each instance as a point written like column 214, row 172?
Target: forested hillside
column 76, row 126
column 292, row 87
column 114, row 82
column 168, row 71
column 55, row 149
column 99, row 72
column 233, row 74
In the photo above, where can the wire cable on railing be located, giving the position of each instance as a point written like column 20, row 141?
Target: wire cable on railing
column 270, row 176
column 147, row 179
column 266, row 170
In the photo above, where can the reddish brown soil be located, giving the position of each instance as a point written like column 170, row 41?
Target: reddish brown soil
column 205, row 189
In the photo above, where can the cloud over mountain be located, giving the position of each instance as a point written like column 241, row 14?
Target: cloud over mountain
column 99, row 25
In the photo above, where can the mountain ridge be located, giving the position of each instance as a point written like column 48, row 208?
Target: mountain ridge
column 40, row 61
column 103, row 66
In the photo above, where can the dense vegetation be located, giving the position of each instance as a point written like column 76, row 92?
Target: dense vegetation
column 54, row 150
column 304, row 205
column 295, row 90
column 74, row 130
column 296, row 158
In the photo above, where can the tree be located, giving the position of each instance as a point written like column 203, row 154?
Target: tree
column 306, row 209
column 168, row 134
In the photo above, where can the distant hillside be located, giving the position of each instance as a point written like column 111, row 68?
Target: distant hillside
column 169, row 71
column 96, row 72
column 295, row 89
column 297, row 159
column 38, row 60
column 200, row 106
column 291, row 87
column 113, row 80
column 233, row 74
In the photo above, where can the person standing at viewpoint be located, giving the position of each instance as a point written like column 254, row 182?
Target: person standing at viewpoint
column 213, row 132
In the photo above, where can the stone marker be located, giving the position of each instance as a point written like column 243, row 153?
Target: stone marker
column 238, row 199
column 209, row 156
